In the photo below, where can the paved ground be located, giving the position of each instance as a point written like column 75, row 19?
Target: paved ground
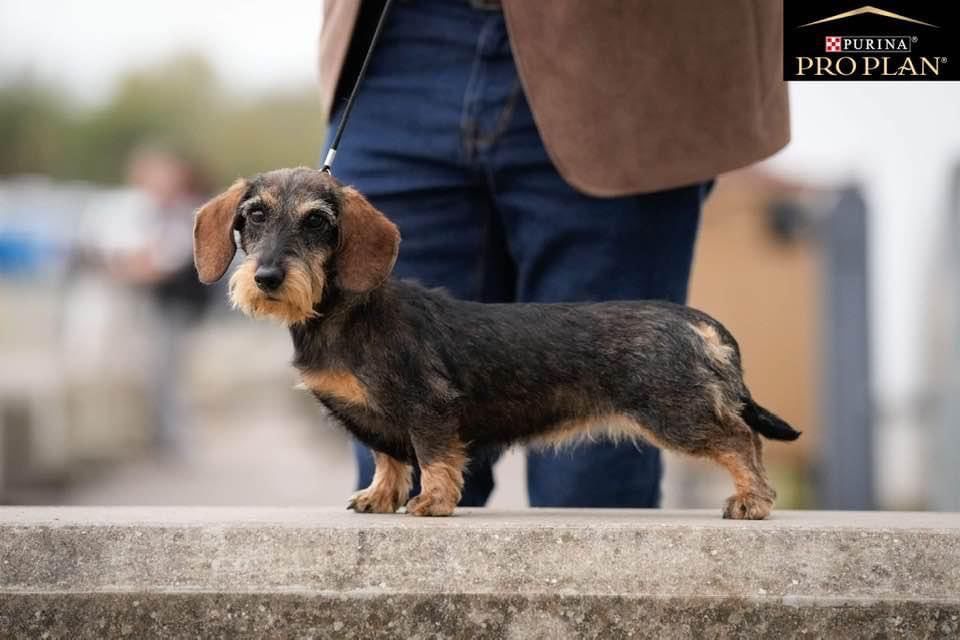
column 255, row 457
column 252, row 459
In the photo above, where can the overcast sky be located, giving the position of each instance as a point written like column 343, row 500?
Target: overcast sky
column 254, row 44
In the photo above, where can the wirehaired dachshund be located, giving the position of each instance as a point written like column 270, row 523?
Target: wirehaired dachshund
column 423, row 379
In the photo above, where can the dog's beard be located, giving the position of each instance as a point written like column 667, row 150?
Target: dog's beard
column 292, row 303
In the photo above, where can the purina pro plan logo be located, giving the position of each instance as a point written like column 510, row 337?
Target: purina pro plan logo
column 868, row 42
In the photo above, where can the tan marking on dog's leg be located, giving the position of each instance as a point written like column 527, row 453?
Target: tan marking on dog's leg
column 389, row 489
column 758, row 458
column 754, row 496
column 714, row 345
column 441, row 484
column 337, row 383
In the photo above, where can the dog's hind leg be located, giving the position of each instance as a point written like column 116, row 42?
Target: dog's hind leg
column 389, row 489
column 739, row 451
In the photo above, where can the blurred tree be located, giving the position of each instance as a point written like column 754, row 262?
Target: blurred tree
column 32, row 125
column 179, row 103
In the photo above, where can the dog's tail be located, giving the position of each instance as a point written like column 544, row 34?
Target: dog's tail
column 766, row 423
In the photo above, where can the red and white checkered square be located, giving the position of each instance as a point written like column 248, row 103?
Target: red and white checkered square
column 834, row 43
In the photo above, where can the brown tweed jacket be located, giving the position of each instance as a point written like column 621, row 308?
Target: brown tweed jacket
column 633, row 96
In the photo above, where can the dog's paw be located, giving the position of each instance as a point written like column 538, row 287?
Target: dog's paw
column 747, row 507
column 373, row 501
column 431, row 505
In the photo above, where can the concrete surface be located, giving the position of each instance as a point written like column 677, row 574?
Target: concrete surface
column 234, row 572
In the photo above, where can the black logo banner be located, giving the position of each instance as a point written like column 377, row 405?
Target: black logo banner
column 890, row 40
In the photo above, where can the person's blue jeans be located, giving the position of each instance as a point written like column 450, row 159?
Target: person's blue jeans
column 442, row 141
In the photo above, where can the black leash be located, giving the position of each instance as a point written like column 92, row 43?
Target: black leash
column 332, row 151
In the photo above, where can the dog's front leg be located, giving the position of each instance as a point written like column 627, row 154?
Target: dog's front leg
column 441, row 461
column 390, row 487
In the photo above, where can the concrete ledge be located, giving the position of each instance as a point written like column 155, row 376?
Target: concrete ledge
column 79, row 573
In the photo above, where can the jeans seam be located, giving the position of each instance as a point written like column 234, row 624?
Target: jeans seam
column 503, row 119
column 472, row 91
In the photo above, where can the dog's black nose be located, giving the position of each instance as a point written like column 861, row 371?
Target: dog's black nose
column 268, row 277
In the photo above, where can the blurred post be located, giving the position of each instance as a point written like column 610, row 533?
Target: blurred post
column 945, row 480
column 847, row 478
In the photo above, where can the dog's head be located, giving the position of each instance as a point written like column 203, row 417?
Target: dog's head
column 304, row 234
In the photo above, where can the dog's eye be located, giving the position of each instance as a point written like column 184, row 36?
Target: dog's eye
column 256, row 216
column 315, row 220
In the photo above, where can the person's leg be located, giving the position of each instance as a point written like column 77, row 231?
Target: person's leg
column 572, row 247
column 403, row 150
column 171, row 323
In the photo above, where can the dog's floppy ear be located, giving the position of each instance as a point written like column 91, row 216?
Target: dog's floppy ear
column 368, row 244
column 213, row 246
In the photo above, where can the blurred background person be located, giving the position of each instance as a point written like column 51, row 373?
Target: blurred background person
column 159, row 260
